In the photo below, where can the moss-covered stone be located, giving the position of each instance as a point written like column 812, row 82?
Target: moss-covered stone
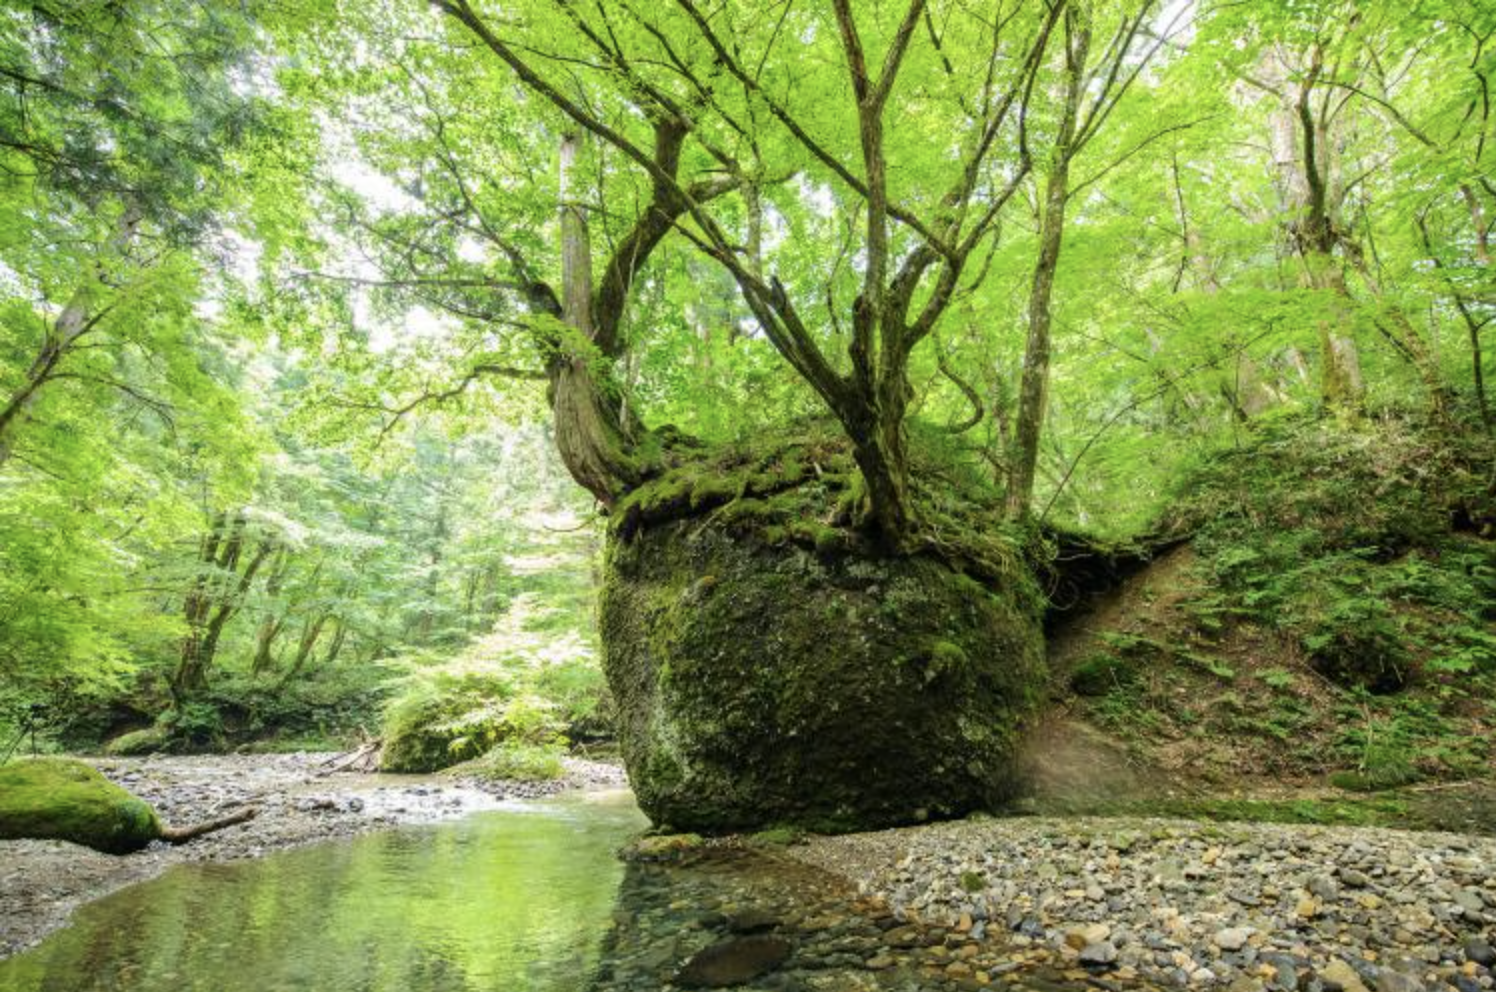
column 761, row 680
column 1100, row 674
column 63, row 799
column 145, row 741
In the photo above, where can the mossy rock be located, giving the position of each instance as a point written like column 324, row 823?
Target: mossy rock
column 149, row 740
column 762, row 683
column 63, row 799
column 661, row 847
column 1099, row 674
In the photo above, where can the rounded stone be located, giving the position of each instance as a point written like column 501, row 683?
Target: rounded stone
column 64, row 799
column 760, row 683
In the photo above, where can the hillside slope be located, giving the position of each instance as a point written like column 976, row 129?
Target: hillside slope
column 1324, row 632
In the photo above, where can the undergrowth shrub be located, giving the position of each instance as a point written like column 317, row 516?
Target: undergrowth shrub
column 1348, row 541
column 516, row 761
column 439, row 721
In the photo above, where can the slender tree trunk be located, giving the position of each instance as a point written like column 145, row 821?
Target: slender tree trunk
column 1479, row 223
column 1316, row 231
column 1033, row 389
column 1473, row 327
column 339, row 636
column 223, row 533
column 264, row 658
column 61, row 335
column 274, row 621
column 311, row 631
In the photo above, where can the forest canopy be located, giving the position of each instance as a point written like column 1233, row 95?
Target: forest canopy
column 304, row 306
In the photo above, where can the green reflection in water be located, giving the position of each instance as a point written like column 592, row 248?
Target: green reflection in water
column 508, row 900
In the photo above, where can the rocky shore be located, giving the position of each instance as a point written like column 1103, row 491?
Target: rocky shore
column 43, row 882
column 1116, row 903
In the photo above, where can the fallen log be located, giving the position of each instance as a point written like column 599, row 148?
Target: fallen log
column 180, row 835
column 364, row 758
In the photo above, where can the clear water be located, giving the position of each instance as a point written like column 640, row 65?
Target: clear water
column 513, row 900
column 527, row 899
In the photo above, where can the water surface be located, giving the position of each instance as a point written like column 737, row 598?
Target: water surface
column 516, row 900
column 527, row 899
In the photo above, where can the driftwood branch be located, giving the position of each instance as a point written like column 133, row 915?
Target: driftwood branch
column 180, row 835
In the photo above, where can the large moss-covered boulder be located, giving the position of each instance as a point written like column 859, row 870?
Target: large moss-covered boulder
column 63, row 799
column 764, row 678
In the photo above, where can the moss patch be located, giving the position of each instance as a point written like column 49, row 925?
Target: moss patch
column 63, row 799
column 514, row 761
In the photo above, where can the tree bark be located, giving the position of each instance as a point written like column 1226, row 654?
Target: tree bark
column 339, row 637
column 274, row 622
column 61, row 335
column 311, row 632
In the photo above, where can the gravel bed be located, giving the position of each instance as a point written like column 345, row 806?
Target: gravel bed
column 1119, row 902
column 43, row 882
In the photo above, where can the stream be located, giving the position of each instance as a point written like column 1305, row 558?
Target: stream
column 530, row 897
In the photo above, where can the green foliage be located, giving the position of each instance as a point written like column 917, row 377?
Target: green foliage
column 776, row 838
column 441, row 722
column 1341, row 538
column 147, row 740
column 1099, row 674
column 311, row 244
column 198, row 725
column 1395, row 742
column 1356, row 641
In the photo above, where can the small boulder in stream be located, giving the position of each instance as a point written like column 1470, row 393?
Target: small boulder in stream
column 63, row 799
column 733, row 962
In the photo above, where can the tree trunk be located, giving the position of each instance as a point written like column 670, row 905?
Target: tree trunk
column 339, row 636
column 311, row 631
column 879, row 448
column 264, row 658
column 78, row 318
column 1033, row 390
column 1314, row 195
column 273, row 622
column 589, row 429
column 214, row 600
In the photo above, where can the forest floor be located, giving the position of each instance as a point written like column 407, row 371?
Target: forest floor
column 43, row 882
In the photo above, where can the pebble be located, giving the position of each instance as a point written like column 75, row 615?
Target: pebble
column 1233, row 939
column 1195, row 905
